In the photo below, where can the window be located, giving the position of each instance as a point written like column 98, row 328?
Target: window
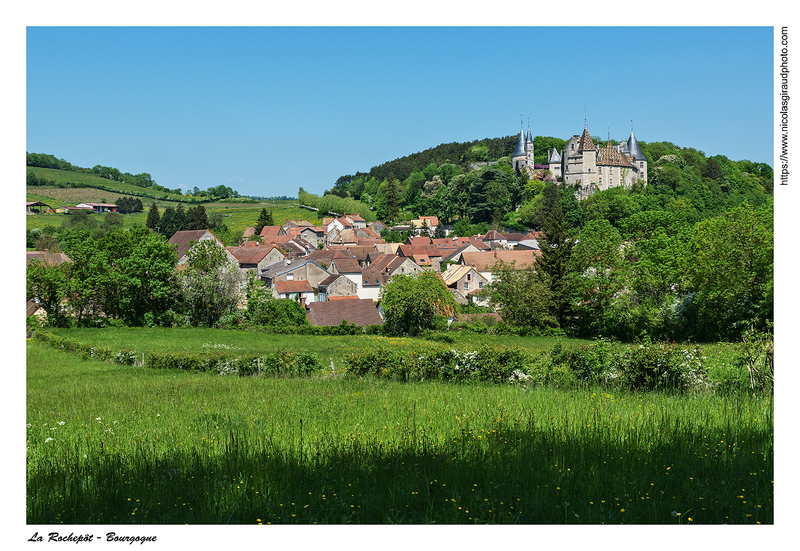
column 290, row 277
column 466, row 286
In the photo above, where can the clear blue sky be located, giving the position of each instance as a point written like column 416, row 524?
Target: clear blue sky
column 268, row 110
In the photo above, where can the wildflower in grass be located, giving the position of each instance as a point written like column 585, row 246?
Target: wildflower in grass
column 62, row 423
column 47, row 440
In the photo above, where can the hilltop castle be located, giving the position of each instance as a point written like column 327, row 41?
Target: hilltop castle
column 581, row 161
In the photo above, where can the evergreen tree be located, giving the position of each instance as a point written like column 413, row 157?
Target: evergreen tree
column 392, row 200
column 554, row 264
column 264, row 219
column 169, row 222
column 197, row 218
column 181, row 219
column 153, row 218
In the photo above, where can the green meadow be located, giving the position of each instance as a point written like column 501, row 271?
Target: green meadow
column 236, row 216
column 110, row 444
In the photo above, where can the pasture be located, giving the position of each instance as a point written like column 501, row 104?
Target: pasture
column 108, row 444
column 236, row 216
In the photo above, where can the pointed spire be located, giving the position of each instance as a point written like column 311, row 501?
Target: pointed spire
column 519, row 150
column 529, row 137
column 634, row 149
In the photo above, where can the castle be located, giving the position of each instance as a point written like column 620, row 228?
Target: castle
column 582, row 162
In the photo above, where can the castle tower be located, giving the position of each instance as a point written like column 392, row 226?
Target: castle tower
column 588, row 152
column 519, row 157
column 529, row 147
column 637, row 156
column 554, row 163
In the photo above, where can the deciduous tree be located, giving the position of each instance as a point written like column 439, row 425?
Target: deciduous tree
column 411, row 303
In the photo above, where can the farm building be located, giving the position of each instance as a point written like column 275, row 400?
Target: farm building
column 99, row 207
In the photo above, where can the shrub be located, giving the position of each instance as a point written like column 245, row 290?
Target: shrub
column 486, row 364
column 663, row 366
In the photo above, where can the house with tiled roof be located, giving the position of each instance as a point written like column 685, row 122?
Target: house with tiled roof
column 256, row 257
column 418, row 240
column 268, row 232
column 423, row 255
column 293, row 270
column 358, row 221
column 366, row 233
column 387, row 248
column 360, row 253
column 372, row 281
column 485, row 261
column 463, row 281
column 293, row 246
column 358, row 312
column 299, row 290
column 455, row 255
column 337, row 286
column 324, row 257
column 391, row 264
column 183, row 241
column 348, row 267
column 346, row 237
column 378, row 226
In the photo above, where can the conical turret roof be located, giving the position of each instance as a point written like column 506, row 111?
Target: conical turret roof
column 554, row 156
column 519, row 151
column 586, row 141
column 634, row 149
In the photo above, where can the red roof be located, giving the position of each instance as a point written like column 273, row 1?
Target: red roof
column 298, row 286
column 359, row 312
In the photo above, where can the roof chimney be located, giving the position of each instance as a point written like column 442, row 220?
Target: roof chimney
column 303, row 302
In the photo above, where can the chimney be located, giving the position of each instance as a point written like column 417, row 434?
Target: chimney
column 303, row 302
column 495, row 253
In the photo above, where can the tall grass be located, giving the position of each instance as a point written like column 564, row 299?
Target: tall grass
column 110, row 444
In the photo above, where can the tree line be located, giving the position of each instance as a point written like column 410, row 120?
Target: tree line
column 653, row 274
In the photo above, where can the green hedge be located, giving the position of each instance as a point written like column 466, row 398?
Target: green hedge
column 279, row 363
column 435, row 362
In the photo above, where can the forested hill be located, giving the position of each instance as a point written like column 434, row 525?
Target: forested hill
column 457, row 153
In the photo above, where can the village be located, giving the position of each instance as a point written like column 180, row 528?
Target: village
column 336, row 270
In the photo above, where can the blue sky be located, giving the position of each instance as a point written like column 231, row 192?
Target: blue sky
column 268, row 110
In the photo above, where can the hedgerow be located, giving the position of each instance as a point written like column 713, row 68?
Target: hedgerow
column 279, row 363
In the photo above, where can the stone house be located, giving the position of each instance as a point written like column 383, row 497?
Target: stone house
column 484, row 261
column 256, row 258
column 337, row 285
column 183, row 241
column 464, row 281
column 293, row 270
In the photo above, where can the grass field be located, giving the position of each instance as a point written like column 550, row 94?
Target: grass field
column 117, row 445
column 236, row 216
column 145, row 339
